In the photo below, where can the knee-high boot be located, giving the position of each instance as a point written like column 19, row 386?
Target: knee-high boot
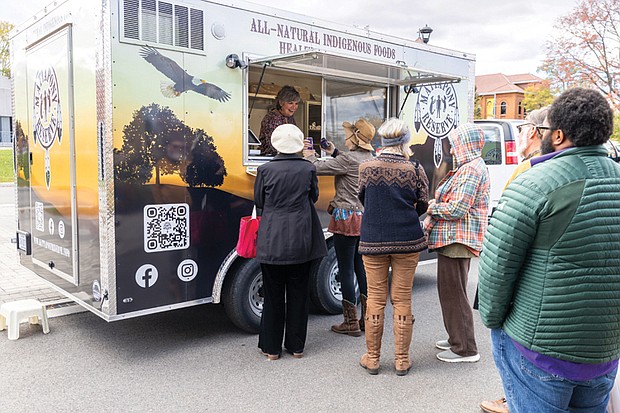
column 374, row 334
column 403, row 330
column 350, row 326
column 363, row 299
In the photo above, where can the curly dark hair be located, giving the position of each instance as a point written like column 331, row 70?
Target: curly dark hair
column 583, row 115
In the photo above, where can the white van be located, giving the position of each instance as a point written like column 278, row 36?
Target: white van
column 499, row 152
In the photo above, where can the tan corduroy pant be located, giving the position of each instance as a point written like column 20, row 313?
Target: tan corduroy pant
column 403, row 270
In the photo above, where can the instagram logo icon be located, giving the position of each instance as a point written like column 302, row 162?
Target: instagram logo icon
column 187, row 270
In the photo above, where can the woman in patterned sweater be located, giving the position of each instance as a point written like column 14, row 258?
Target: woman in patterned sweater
column 390, row 188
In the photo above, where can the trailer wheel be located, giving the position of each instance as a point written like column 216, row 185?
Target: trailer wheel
column 325, row 290
column 243, row 295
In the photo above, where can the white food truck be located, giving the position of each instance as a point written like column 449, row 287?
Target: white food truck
column 135, row 139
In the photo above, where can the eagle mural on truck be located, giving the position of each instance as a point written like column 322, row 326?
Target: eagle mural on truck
column 181, row 81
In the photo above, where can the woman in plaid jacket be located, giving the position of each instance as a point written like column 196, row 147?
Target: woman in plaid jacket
column 455, row 225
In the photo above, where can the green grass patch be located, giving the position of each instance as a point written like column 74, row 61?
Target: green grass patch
column 6, row 165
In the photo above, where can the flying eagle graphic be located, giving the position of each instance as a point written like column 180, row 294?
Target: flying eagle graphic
column 181, row 80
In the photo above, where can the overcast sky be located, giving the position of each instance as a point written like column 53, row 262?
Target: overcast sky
column 506, row 36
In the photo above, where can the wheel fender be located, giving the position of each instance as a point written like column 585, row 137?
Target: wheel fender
column 228, row 262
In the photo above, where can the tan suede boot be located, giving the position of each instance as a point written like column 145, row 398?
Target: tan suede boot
column 350, row 325
column 374, row 333
column 403, row 330
column 363, row 299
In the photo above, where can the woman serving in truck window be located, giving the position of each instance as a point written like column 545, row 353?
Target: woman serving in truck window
column 287, row 102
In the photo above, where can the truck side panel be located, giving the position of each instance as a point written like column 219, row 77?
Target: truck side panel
column 56, row 145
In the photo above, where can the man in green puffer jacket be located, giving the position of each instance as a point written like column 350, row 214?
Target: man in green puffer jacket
column 549, row 274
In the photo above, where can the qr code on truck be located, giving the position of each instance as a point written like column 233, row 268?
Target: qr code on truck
column 166, row 227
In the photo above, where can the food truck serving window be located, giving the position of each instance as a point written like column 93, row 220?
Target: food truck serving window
column 332, row 88
column 328, row 64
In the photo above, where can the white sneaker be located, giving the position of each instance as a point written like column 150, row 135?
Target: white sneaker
column 443, row 345
column 449, row 357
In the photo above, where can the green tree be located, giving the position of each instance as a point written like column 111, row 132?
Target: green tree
column 586, row 49
column 616, row 135
column 477, row 106
column 5, row 55
column 537, row 96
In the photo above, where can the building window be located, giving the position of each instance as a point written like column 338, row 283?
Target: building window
column 163, row 22
column 502, row 108
column 520, row 108
column 5, row 131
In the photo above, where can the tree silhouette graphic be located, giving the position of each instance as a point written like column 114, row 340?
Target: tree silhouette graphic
column 206, row 167
column 156, row 141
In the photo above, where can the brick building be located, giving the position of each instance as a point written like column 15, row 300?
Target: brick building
column 501, row 95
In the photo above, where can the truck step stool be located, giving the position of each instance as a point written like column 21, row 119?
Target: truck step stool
column 15, row 312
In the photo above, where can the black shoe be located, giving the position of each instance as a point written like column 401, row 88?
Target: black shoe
column 296, row 354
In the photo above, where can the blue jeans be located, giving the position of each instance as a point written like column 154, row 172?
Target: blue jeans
column 530, row 389
column 350, row 266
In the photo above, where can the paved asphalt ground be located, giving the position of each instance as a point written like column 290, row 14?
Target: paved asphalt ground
column 195, row 360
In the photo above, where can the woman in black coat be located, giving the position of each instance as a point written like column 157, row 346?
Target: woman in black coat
column 290, row 237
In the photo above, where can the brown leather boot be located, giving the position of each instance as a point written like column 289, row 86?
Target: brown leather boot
column 495, row 406
column 403, row 330
column 374, row 333
column 350, row 325
column 363, row 299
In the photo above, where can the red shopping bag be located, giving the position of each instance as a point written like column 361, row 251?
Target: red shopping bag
column 248, row 232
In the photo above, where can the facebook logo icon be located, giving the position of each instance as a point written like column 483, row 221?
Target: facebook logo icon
column 146, row 276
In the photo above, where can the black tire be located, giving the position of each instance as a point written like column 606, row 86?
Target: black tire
column 324, row 287
column 242, row 295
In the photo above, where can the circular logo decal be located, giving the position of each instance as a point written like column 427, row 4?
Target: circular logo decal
column 438, row 109
column 47, row 114
column 61, row 229
column 187, row 270
column 437, row 112
column 146, row 276
column 96, row 291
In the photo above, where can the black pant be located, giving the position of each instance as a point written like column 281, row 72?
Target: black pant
column 350, row 264
column 286, row 303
